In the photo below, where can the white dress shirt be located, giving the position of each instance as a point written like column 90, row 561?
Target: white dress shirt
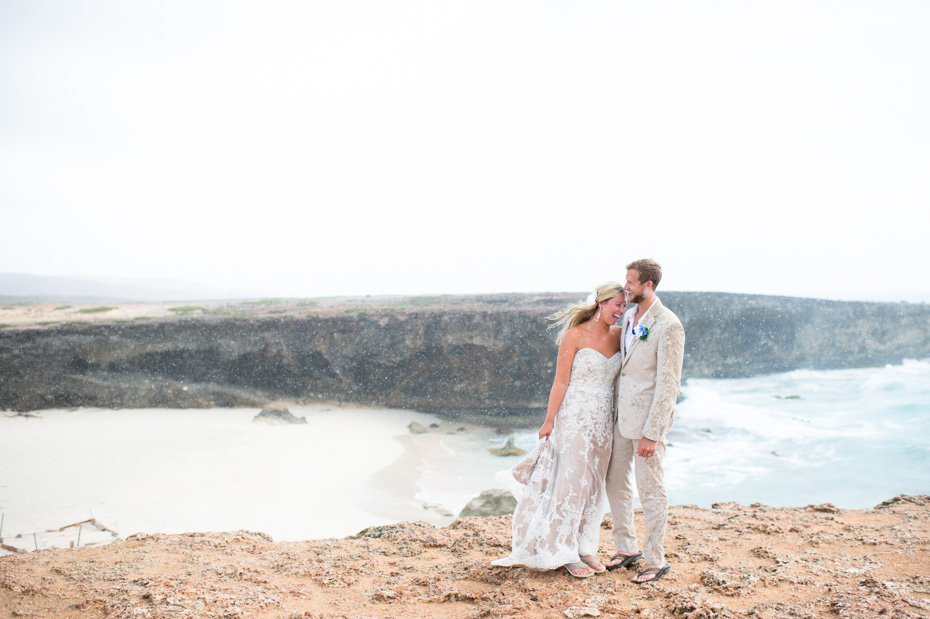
column 628, row 335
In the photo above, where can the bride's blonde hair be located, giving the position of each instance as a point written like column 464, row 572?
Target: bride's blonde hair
column 576, row 314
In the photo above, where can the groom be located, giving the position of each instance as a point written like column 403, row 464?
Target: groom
column 652, row 344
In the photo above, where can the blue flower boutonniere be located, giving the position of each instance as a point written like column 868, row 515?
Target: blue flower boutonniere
column 641, row 332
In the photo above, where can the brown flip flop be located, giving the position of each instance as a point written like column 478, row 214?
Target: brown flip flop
column 658, row 571
column 627, row 561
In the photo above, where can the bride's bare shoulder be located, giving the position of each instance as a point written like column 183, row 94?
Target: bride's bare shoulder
column 575, row 332
column 573, row 337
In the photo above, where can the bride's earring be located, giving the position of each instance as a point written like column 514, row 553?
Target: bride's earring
column 598, row 314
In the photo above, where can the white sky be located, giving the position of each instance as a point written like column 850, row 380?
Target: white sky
column 311, row 148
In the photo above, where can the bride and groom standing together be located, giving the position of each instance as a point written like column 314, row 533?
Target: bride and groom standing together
column 610, row 408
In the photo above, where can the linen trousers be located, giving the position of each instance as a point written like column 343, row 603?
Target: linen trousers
column 650, row 481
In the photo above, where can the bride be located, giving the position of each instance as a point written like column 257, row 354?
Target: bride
column 557, row 521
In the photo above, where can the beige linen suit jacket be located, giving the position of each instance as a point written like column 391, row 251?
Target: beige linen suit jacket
column 650, row 375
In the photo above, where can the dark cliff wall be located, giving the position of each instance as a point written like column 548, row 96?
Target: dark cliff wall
column 732, row 336
column 494, row 358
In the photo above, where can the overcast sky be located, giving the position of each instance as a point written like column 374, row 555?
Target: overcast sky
column 311, row 148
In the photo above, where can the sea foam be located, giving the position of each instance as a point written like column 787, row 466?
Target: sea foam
column 849, row 437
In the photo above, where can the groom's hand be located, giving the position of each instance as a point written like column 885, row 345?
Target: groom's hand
column 646, row 448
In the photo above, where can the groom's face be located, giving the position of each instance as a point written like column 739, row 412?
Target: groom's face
column 633, row 288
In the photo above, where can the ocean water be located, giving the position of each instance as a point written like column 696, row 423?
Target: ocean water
column 849, row 437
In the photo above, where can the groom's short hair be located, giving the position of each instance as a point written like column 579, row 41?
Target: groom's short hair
column 649, row 271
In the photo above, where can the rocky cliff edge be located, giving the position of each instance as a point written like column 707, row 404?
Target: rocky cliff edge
column 484, row 356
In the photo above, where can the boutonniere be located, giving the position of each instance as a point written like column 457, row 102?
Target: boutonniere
column 641, row 332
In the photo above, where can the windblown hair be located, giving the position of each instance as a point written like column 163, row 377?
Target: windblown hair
column 575, row 314
column 649, row 271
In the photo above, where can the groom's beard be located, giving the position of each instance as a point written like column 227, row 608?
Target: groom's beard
column 636, row 298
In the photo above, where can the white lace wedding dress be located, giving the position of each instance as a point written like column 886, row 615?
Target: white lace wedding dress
column 560, row 512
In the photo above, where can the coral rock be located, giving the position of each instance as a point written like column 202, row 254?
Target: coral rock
column 490, row 503
column 276, row 416
column 509, row 449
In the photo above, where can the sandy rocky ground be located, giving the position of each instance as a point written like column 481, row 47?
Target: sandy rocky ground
column 728, row 561
column 33, row 315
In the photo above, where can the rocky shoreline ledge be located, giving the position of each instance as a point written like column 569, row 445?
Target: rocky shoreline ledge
column 483, row 357
column 728, row 561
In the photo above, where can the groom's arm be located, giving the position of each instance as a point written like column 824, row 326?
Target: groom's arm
column 670, row 355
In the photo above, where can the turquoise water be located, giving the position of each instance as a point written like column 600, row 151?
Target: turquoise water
column 849, row 437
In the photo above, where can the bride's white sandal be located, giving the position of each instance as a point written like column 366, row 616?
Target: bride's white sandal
column 593, row 563
column 579, row 566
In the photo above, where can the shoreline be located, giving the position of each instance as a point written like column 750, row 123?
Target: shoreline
column 730, row 561
column 436, row 480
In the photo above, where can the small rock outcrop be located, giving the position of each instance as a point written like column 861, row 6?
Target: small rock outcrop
column 921, row 500
column 278, row 416
column 490, row 503
column 509, row 449
column 388, row 531
column 416, row 428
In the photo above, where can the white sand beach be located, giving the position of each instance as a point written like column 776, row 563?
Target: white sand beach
column 174, row 471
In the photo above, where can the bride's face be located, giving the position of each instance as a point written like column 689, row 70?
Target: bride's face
column 613, row 308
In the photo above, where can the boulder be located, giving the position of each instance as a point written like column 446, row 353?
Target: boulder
column 490, row 503
column 278, row 416
column 509, row 449
column 416, row 428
